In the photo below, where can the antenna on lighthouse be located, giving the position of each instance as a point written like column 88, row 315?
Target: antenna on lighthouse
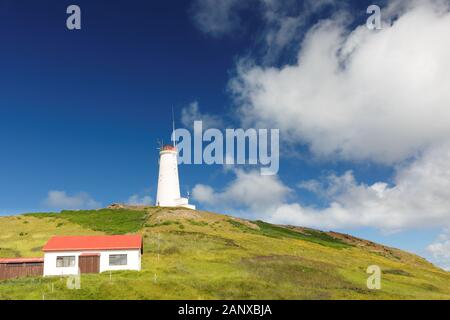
column 160, row 144
column 173, row 129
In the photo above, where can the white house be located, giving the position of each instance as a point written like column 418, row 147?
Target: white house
column 71, row 255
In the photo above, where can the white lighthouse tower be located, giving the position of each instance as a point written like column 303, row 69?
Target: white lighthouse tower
column 168, row 193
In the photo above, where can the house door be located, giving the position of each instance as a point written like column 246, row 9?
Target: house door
column 89, row 263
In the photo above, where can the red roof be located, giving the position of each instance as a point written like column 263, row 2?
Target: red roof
column 168, row 147
column 21, row 260
column 75, row 243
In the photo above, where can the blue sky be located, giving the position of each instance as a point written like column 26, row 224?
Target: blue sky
column 81, row 111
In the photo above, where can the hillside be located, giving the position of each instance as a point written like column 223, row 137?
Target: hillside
column 202, row 255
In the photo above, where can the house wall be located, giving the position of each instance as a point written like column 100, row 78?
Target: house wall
column 50, row 268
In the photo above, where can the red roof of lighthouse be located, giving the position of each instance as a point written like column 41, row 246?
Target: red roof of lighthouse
column 168, row 147
column 79, row 243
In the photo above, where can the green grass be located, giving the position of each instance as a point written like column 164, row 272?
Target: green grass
column 198, row 223
column 105, row 220
column 164, row 223
column 309, row 235
column 294, row 273
column 200, row 255
column 9, row 253
column 240, row 226
column 397, row 272
column 274, row 231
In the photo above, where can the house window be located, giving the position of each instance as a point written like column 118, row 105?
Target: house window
column 117, row 259
column 64, row 262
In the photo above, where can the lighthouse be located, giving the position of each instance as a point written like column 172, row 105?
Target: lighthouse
column 168, row 193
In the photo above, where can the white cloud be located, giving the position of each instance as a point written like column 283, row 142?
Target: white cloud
column 137, row 200
column 281, row 21
column 204, row 194
column 380, row 96
column 362, row 95
column 440, row 250
column 418, row 198
column 216, row 18
column 249, row 190
column 192, row 113
column 285, row 21
column 61, row 200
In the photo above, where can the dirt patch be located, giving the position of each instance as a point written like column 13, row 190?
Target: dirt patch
column 178, row 213
column 245, row 223
column 119, row 206
column 367, row 245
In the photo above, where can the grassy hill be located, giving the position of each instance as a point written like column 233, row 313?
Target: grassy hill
column 201, row 255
